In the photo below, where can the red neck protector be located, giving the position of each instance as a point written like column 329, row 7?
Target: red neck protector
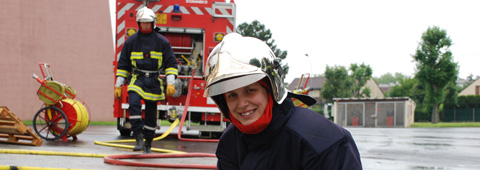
column 261, row 123
column 146, row 31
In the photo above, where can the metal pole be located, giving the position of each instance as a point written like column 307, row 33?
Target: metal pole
column 345, row 118
column 394, row 114
column 376, row 108
column 363, row 114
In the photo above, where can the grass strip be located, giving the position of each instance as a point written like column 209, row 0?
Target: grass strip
column 445, row 124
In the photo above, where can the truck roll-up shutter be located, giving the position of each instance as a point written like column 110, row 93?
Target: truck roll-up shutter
column 181, row 43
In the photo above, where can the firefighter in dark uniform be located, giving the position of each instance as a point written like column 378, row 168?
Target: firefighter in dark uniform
column 143, row 56
column 245, row 80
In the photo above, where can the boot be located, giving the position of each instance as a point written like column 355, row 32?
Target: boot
column 148, row 146
column 138, row 142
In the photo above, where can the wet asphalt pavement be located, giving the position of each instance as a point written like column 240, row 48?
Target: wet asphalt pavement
column 380, row 149
column 418, row 148
column 86, row 144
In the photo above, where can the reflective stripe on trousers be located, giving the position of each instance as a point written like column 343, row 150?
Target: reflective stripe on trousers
column 139, row 124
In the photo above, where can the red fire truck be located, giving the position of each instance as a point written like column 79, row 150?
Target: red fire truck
column 194, row 28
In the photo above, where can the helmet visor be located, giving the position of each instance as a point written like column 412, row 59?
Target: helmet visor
column 233, row 83
column 232, row 65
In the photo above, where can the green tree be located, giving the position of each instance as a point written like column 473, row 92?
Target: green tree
column 337, row 85
column 360, row 74
column 389, row 77
column 411, row 87
column 405, row 88
column 258, row 30
column 385, row 78
column 451, row 93
column 435, row 66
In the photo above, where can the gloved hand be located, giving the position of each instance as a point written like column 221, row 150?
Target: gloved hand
column 118, row 92
column 170, row 90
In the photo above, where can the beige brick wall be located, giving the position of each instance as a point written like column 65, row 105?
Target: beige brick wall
column 74, row 37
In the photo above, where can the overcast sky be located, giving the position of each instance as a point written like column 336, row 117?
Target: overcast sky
column 381, row 33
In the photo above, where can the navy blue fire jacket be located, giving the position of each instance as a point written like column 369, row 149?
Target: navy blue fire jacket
column 150, row 52
column 296, row 138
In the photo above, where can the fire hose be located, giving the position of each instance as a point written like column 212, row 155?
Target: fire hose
column 185, row 110
column 31, row 168
column 116, row 159
column 111, row 143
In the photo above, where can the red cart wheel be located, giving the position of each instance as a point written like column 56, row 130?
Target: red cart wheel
column 50, row 123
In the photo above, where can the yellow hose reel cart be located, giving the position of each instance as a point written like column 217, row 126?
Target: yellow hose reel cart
column 61, row 115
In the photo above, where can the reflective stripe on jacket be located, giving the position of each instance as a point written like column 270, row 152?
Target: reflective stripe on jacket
column 147, row 52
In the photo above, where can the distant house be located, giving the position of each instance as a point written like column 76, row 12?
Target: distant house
column 375, row 91
column 315, row 84
column 472, row 89
column 386, row 88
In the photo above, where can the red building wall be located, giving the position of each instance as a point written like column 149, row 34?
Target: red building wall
column 73, row 36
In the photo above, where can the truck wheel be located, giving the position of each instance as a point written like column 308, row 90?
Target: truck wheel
column 125, row 132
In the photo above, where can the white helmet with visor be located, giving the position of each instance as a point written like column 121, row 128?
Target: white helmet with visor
column 239, row 61
column 146, row 15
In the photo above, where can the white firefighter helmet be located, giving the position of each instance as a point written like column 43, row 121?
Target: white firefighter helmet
column 238, row 61
column 145, row 15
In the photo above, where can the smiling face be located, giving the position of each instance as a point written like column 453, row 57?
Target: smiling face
column 247, row 104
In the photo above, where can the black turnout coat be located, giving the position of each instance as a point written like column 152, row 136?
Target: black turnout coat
column 296, row 138
column 150, row 52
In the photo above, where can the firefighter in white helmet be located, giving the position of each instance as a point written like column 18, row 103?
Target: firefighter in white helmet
column 245, row 80
column 144, row 55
